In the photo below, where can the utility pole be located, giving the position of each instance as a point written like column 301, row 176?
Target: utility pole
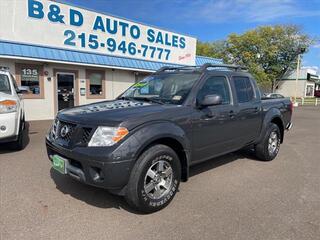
column 301, row 50
column 297, row 77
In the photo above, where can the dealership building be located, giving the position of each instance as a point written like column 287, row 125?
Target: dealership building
column 66, row 56
column 303, row 85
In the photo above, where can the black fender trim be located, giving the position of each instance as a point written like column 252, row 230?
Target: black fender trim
column 270, row 116
column 157, row 132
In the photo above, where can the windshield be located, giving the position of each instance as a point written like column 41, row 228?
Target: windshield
column 4, row 84
column 166, row 88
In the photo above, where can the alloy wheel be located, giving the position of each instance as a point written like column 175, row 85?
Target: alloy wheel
column 158, row 179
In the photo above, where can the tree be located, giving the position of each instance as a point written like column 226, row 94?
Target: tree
column 214, row 49
column 269, row 52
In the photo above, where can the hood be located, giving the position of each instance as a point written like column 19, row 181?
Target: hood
column 5, row 96
column 111, row 113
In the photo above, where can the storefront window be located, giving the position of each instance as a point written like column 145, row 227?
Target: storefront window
column 310, row 91
column 30, row 77
column 95, row 84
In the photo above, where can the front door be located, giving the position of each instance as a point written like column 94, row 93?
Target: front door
column 65, row 90
column 214, row 126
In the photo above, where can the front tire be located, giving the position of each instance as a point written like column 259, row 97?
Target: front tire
column 20, row 143
column 269, row 147
column 154, row 179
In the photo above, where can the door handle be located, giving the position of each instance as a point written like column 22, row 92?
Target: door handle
column 209, row 115
column 256, row 109
column 232, row 114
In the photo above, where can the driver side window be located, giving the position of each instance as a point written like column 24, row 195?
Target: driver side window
column 215, row 85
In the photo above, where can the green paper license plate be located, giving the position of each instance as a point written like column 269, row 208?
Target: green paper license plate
column 59, row 164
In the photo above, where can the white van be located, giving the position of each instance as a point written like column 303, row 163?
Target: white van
column 12, row 121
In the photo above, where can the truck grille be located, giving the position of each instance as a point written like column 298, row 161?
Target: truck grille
column 66, row 131
column 62, row 130
column 86, row 132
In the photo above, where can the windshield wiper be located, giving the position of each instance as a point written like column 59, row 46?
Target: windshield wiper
column 146, row 99
column 126, row 98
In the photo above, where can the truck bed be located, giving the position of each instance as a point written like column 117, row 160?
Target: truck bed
column 284, row 104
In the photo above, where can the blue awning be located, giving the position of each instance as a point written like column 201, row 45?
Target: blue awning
column 69, row 56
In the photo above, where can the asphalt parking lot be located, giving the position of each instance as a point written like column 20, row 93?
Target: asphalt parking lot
column 231, row 197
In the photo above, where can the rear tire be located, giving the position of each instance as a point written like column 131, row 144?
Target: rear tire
column 154, row 179
column 269, row 147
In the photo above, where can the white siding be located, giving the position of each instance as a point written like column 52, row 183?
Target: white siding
column 288, row 88
column 41, row 109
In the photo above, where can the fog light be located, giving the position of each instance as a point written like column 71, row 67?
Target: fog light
column 3, row 128
column 96, row 177
column 96, row 174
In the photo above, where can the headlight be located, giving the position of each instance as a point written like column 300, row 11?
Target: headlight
column 107, row 136
column 8, row 106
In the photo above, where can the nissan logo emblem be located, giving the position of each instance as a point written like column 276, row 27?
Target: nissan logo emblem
column 64, row 131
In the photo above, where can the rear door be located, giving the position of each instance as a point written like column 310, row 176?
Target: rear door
column 213, row 127
column 248, row 113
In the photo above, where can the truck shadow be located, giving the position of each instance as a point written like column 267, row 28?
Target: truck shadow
column 97, row 197
column 101, row 198
column 219, row 161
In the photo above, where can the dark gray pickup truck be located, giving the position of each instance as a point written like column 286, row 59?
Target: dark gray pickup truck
column 142, row 144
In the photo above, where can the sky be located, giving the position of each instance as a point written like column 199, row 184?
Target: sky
column 210, row 20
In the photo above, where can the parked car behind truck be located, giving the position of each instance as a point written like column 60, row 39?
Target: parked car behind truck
column 142, row 144
column 12, row 118
column 272, row 95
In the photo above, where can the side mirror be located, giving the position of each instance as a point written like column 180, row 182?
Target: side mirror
column 211, row 100
column 22, row 90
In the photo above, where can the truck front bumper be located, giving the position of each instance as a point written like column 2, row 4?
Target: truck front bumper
column 87, row 167
column 8, row 127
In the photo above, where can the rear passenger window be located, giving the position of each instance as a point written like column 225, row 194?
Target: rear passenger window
column 244, row 89
column 215, row 85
